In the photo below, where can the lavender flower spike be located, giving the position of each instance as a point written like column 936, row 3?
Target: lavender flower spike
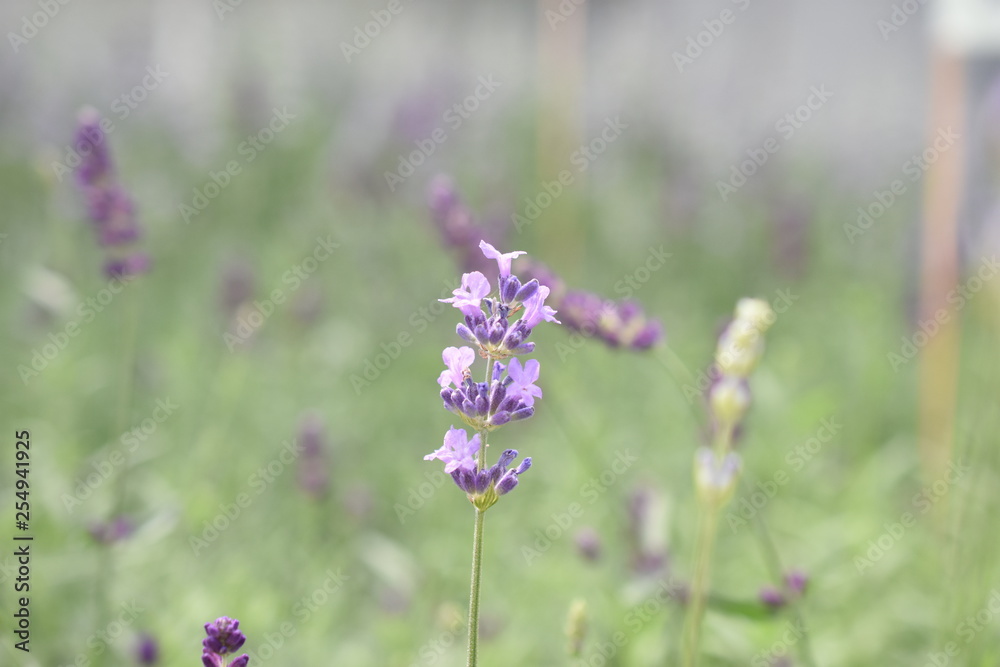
column 224, row 637
column 109, row 206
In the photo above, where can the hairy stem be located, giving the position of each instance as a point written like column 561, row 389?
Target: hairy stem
column 477, row 572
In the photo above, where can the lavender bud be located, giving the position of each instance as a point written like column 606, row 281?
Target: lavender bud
column 506, row 458
column 523, row 413
column 497, row 395
column 509, row 288
column 526, row 291
column 506, row 484
column 525, row 464
column 509, row 404
column 482, row 405
column 497, row 331
column 446, row 397
column 465, row 333
column 500, row 418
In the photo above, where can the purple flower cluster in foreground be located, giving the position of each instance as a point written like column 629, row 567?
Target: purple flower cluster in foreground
column 508, row 391
column 109, row 206
column 617, row 323
column 224, row 637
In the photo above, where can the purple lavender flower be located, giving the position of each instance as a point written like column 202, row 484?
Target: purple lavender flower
column 109, row 206
column 487, row 319
column 618, row 324
column 147, row 652
column 503, row 259
column 224, row 637
column 484, row 487
column 523, row 380
column 508, row 392
column 458, row 452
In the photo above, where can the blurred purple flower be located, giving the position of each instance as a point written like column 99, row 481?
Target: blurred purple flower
column 617, row 324
column 108, row 204
column 771, row 597
column 313, row 476
column 147, row 651
column 588, row 543
column 115, row 530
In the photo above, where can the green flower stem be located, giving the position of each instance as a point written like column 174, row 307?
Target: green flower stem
column 477, row 571
column 477, row 548
column 707, row 528
column 708, row 525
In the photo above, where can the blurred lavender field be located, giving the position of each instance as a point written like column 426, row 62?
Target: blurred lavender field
column 239, row 430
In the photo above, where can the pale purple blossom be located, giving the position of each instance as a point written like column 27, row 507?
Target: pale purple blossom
column 468, row 298
column 458, row 451
column 535, row 310
column 524, row 378
column 458, row 360
column 503, row 259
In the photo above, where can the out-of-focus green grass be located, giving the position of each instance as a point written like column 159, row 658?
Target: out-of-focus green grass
column 406, row 581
